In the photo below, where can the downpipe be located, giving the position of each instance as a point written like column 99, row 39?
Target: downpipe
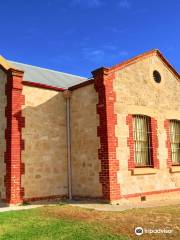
column 67, row 96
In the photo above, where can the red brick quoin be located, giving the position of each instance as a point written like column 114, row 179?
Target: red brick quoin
column 106, row 131
column 154, row 142
column 13, row 135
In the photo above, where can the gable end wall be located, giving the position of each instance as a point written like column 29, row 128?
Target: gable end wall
column 137, row 93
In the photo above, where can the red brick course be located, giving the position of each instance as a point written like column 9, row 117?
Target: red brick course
column 151, row 193
column 33, row 199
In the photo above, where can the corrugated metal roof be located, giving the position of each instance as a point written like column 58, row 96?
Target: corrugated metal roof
column 47, row 76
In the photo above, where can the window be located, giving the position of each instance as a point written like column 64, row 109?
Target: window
column 142, row 140
column 175, row 141
column 157, row 76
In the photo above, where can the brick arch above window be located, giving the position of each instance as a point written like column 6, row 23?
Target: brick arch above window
column 153, row 144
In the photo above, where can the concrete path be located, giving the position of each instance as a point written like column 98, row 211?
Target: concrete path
column 124, row 205
column 4, row 208
column 89, row 204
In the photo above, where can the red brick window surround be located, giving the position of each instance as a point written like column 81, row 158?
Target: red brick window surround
column 142, row 141
column 173, row 141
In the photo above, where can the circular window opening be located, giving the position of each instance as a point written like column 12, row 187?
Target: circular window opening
column 157, row 76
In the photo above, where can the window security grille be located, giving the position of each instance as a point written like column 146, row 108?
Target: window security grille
column 175, row 141
column 142, row 141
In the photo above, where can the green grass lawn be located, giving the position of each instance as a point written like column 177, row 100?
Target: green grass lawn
column 33, row 224
column 67, row 222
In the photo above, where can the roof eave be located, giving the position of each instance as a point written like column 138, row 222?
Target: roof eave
column 136, row 59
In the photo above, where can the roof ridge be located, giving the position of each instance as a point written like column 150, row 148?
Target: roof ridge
column 47, row 69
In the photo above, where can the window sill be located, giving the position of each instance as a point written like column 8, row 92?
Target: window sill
column 144, row 171
column 175, row 169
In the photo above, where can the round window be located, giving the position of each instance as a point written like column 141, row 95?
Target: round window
column 157, row 76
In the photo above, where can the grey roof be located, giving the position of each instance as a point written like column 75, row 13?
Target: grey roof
column 47, row 76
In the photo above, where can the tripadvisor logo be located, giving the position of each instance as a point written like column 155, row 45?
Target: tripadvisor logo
column 138, row 231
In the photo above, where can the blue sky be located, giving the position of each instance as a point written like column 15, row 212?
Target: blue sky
column 78, row 36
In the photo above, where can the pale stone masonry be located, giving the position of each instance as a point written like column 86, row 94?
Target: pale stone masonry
column 45, row 143
column 85, row 142
column 42, row 157
column 138, row 93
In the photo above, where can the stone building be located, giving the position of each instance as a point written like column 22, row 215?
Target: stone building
column 115, row 136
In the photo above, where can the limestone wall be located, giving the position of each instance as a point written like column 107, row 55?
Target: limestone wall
column 45, row 143
column 3, row 103
column 138, row 93
column 85, row 143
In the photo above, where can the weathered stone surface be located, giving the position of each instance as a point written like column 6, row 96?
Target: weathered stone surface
column 45, row 143
column 85, row 143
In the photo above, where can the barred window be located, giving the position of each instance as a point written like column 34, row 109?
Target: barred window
column 142, row 140
column 175, row 141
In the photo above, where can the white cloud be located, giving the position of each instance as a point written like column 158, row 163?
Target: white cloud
column 123, row 53
column 93, row 55
column 107, row 53
column 124, row 4
column 118, row 30
column 110, row 47
column 88, row 3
